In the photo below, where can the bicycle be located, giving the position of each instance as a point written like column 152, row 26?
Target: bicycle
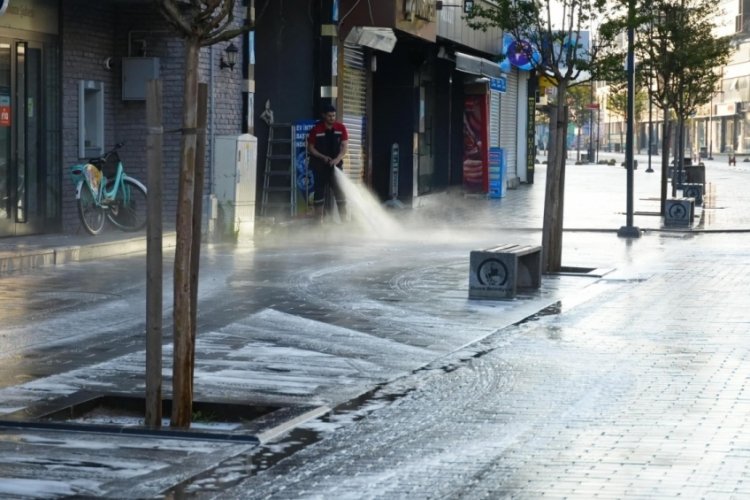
column 118, row 197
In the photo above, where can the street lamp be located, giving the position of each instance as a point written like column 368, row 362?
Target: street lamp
column 628, row 230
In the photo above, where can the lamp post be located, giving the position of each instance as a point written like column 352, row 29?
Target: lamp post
column 628, row 230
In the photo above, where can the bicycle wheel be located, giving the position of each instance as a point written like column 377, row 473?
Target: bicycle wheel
column 128, row 210
column 90, row 212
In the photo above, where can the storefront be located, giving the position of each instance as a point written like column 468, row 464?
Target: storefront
column 30, row 166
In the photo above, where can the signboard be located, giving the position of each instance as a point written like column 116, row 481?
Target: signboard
column 5, row 107
column 30, row 15
column 426, row 10
column 415, row 17
column 593, row 105
column 4, row 116
column 726, row 108
column 499, row 84
column 303, row 176
column 497, row 186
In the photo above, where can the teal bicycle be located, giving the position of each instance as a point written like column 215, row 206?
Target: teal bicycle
column 105, row 191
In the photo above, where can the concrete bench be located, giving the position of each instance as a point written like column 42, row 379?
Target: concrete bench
column 498, row 272
column 679, row 212
column 693, row 190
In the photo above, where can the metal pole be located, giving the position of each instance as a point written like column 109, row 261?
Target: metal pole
column 650, row 126
column 628, row 230
column 154, row 252
column 711, row 130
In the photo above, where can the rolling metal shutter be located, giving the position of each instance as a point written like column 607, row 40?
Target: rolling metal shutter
column 509, row 124
column 355, row 109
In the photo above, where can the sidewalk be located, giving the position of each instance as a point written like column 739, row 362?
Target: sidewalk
column 298, row 344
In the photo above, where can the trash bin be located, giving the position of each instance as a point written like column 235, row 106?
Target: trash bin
column 703, row 152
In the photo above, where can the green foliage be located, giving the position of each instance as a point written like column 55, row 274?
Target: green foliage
column 676, row 50
column 549, row 27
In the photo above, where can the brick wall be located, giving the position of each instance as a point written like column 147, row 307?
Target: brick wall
column 93, row 31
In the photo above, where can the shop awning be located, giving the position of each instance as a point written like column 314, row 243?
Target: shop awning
column 477, row 65
column 376, row 38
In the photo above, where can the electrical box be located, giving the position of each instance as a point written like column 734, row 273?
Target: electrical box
column 136, row 71
column 234, row 180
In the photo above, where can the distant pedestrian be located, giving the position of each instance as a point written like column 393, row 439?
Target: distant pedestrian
column 327, row 146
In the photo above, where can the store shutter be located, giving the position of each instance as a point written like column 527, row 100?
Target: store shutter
column 355, row 109
column 509, row 123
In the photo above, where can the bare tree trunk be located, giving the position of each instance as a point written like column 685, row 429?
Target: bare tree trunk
column 666, row 139
column 552, row 226
column 184, row 347
column 200, row 174
column 154, row 271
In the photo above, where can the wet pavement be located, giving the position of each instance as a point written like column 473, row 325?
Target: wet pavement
column 625, row 383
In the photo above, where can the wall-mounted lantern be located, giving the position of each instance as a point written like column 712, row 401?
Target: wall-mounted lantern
column 231, row 57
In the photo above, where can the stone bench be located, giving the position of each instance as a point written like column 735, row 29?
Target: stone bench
column 498, row 272
column 693, row 190
column 679, row 212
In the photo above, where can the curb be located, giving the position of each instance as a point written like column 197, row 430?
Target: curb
column 25, row 258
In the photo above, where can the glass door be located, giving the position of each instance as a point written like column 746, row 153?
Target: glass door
column 21, row 138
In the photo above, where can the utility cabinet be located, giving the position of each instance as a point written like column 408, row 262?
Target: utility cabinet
column 136, row 71
column 234, row 180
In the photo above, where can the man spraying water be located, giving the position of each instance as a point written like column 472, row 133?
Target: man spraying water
column 327, row 145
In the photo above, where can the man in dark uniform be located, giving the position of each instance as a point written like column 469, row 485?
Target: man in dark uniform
column 326, row 146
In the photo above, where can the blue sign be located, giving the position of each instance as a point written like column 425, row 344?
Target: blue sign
column 497, row 168
column 519, row 53
column 303, row 176
column 499, row 84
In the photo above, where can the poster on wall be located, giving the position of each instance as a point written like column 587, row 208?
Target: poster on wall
column 303, row 176
column 475, row 144
column 4, row 106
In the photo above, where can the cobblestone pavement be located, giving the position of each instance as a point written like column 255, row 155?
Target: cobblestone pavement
column 638, row 392
column 630, row 385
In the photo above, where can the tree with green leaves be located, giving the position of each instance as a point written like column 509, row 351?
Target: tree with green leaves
column 548, row 33
column 617, row 100
column 200, row 23
column 678, row 54
column 579, row 98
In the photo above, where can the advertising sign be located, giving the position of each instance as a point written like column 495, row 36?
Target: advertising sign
column 475, row 143
column 4, row 107
column 303, row 176
column 496, row 174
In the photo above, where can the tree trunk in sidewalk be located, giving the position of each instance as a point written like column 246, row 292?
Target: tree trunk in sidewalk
column 552, row 226
column 184, row 347
column 666, row 139
column 200, row 174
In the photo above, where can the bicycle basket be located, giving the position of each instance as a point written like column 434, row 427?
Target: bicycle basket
column 109, row 167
